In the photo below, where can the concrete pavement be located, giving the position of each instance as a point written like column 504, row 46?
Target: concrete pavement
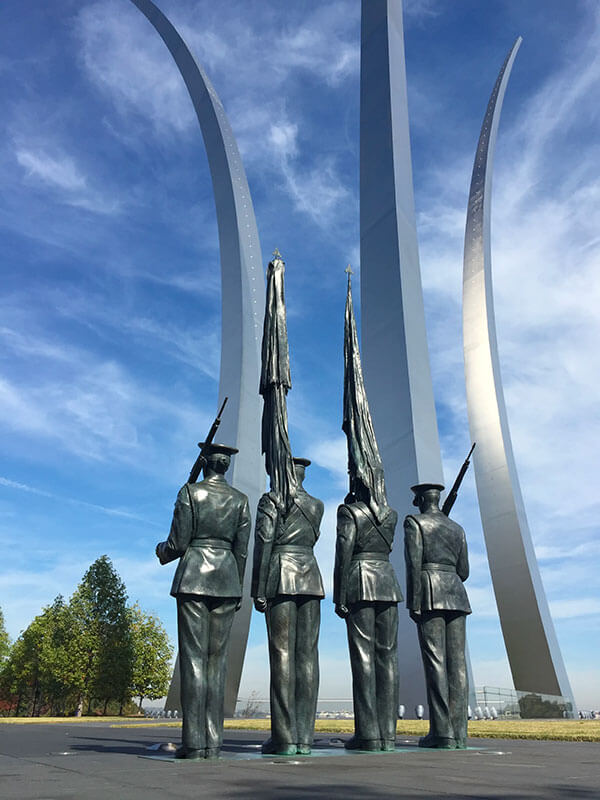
column 93, row 761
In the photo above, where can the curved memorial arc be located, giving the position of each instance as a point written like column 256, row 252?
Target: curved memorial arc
column 242, row 293
column 533, row 651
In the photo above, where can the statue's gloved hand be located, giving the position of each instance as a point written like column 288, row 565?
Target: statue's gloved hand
column 341, row 610
column 160, row 549
column 415, row 616
column 260, row 604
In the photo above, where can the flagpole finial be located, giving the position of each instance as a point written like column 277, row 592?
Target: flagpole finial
column 349, row 270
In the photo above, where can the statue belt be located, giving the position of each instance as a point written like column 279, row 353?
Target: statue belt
column 368, row 555
column 219, row 544
column 430, row 566
column 292, row 548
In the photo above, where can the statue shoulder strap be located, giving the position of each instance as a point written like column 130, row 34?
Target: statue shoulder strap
column 388, row 541
column 315, row 529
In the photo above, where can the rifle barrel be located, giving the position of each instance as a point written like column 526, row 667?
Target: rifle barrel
column 225, row 403
column 201, row 460
column 453, row 493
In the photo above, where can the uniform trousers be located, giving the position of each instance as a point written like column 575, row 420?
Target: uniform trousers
column 373, row 644
column 203, row 625
column 442, row 640
column 293, row 623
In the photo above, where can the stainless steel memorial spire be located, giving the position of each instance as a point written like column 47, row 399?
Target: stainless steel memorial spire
column 394, row 341
column 242, row 293
column 533, row 651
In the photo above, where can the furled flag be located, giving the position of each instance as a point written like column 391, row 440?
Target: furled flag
column 364, row 462
column 275, row 382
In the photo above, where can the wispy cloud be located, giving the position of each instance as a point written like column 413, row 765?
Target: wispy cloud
column 114, row 46
column 324, row 45
column 546, row 289
column 112, row 512
column 575, row 607
column 333, row 456
column 420, row 10
column 318, row 192
column 59, row 172
column 92, row 407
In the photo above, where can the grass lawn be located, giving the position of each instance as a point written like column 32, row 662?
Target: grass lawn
column 570, row 730
column 66, row 720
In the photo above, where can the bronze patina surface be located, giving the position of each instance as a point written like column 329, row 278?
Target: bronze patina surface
column 286, row 582
column 366, row 592
column 209, row 535
column 437, row 563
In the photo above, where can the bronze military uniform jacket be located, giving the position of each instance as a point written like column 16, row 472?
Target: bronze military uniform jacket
column 437, row 563
column 284, row 562
column 209, row 533
column 362, row 567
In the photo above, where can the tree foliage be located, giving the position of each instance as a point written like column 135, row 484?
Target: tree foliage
column 100, row 606
column 91, row 654
column 4, row 639
column 152, row 656
column 533, row 706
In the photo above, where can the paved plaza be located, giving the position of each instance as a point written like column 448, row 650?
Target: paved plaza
column 94, row 761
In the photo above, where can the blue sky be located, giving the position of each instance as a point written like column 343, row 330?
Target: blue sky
column 110, row 301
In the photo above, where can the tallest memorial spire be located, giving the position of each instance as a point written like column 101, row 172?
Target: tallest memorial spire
column 394, row 340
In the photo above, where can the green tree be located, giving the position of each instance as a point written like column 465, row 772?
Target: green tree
column 61, row 661
column 13, row 684
column 92, row 650
column 4, row 639
column 152, row 654
column 99, row 606
column 22, row 669
column 40, row 670
column 532, row 706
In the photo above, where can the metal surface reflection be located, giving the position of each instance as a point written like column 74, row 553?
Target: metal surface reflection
column 242, row 298
column 533, row 652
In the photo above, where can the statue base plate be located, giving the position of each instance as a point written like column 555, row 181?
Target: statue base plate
column 333, row 748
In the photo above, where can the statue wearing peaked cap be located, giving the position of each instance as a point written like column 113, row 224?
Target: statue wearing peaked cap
column 366, row 592
column 437, row 564
column 286, row 582
column 209, row 535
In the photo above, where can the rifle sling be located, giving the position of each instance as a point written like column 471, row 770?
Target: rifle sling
column 377, row 528
column 308, row 519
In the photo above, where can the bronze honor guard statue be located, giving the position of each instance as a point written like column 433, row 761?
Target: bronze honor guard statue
column 286, row 582
column 365, row 589
column 209, row 534
column 436, row 566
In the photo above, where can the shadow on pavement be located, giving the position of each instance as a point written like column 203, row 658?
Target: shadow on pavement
column 336, row 789
column 96, row 744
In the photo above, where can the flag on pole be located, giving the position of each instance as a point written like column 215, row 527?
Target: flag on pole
column 364, row 462
column 275, row 381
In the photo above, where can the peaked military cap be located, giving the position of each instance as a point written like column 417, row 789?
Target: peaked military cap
column 303, row 462
column 223, row 449
column 420, row 488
